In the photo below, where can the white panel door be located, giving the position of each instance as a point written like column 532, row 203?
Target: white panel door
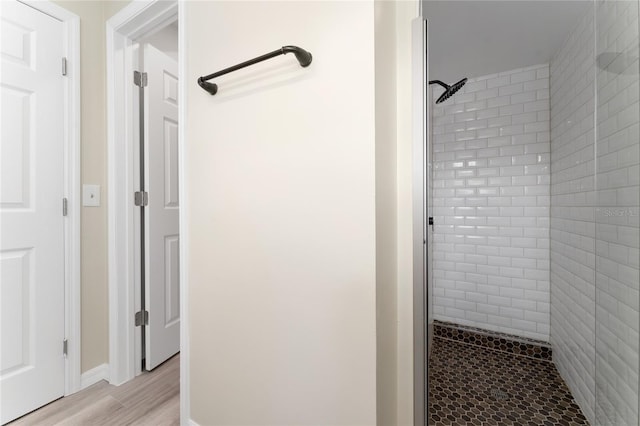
column 162, row 282
column 31, row 222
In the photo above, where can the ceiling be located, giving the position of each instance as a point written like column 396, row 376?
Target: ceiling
column 475, row 38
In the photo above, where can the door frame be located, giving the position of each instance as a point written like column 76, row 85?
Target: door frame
column 72, row 178
column 134, row 20
column 420, row 229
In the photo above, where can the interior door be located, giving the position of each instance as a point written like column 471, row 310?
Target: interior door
column 162, row 278
column 31, row 221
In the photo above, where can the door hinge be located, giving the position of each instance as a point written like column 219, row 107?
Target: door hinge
column 140, row 78
column 141, row 198
column 64, row 66
column 141, row 318
column 65, row 347
column 65, row 209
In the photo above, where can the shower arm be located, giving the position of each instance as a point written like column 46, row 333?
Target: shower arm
column 445, row 85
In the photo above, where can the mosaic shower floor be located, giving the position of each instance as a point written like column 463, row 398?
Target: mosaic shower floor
column 475, row 385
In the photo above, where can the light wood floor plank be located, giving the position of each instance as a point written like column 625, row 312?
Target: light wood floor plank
column 151, row 399
column 64, row 407
column 166, row 415
column 99, row 412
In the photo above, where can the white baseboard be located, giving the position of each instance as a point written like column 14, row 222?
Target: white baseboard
column 192, row 423
column 94, row 375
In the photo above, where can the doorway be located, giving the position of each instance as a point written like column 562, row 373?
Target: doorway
column 130, row 35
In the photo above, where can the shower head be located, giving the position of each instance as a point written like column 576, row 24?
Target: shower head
column 448, row 90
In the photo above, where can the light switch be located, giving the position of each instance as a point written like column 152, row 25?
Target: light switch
column 91, row 195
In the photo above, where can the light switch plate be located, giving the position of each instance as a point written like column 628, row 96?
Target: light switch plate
column 91, row 195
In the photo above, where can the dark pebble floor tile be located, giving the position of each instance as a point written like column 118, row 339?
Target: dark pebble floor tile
column 475, row 385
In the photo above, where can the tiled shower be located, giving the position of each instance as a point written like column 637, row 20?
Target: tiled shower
column 536, row 193
column 491, row 203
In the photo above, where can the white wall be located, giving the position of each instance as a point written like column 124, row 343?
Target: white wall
column 572, row 213
column 491, row 203
column 165, row 40
column 95, row 333
column 406, row 11
column 595, row 195
column 281, row 212
column 617, row 214
column 386, row 211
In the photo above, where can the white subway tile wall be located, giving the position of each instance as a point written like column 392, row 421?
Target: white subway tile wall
column 594, row 216
column 491, row 155
column 617, row 198
column 572, row 213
